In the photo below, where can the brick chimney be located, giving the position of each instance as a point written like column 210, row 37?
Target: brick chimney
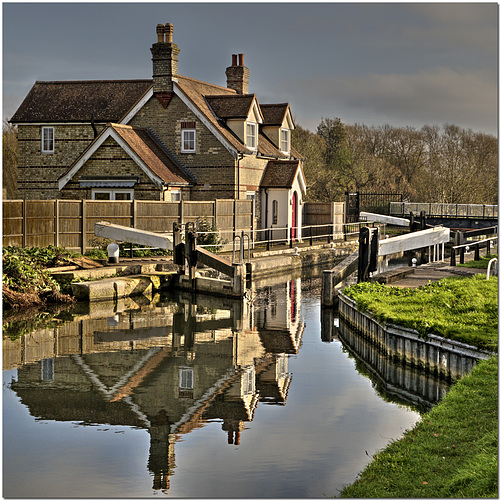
column 237, row 75
column 165, row 59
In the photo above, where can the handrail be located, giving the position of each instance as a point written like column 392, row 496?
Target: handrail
column 494, row 259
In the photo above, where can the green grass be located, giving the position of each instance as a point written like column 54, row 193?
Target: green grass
column 482, row 263
column 462, row 309
column 452, row 452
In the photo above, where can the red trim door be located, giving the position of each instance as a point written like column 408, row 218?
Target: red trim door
column 294, row 216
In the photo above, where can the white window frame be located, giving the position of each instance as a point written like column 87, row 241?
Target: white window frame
column 251, row 135
column 113, row 193
column 50, row 141
column 189, row 141
column 186, row 378
column 285, row 140
column 177, row 193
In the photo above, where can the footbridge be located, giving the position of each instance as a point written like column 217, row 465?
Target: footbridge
column 452, row 215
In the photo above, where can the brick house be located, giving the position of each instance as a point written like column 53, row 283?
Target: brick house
column 169, row 138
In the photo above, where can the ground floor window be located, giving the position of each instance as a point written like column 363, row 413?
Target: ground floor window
column 175, row 195
column 113, row 194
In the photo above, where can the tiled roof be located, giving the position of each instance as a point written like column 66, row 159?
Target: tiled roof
column 280, row 173
column 152, row 154
column 231, row 106
column 274, row 114
column 267, row 148
column 75, row 101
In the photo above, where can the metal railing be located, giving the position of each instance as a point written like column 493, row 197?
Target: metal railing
column 464, row 250
column 455, row 210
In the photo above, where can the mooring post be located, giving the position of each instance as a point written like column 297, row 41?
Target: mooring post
column 239, row 279
column 364, row 253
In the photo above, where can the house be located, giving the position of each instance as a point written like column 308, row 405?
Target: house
column 169, row 138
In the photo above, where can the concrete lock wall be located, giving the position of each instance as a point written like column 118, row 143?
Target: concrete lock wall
column 445, row 357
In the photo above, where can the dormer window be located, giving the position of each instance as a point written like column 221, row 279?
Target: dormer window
column 251, row 135
column 188, row 137
column 285, row 140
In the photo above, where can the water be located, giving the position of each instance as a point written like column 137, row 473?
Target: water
column 213, row 399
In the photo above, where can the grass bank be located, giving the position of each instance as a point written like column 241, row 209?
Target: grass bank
column 451, row 452
column 462, row 309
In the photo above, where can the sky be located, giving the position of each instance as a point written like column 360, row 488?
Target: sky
column 401, row 64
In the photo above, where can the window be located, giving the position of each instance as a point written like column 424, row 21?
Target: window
column 275, row 211
column 188, row 137
column 285, row 140
column 251, row 135
column 47, row 139
column 186, row 378
column 47, row 366
column 175, row 195
column 113, row 194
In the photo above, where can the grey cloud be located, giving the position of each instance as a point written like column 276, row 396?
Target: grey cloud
column 442, row 95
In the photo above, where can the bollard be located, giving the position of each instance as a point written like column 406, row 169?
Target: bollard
column 113, row 253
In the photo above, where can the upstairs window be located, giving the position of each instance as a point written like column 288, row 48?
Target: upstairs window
column 188, row 137
column 285, row 140
column 47, row 139
column 252, row 135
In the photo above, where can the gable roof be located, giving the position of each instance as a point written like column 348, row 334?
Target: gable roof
column 231, row 106
column 275, row 114
column 280, row 173
column 154, row 159
column 75, row 101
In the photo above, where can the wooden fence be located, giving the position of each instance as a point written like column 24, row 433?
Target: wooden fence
column 70, row 223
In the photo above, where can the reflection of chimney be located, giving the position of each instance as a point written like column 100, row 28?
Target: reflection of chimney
column 165, row 59
column 237, row 74
column 161, row 454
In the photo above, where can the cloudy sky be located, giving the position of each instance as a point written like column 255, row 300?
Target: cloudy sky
column 394, row 63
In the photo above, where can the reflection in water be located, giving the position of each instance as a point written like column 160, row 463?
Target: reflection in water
column 395, row 380
column 168, row 366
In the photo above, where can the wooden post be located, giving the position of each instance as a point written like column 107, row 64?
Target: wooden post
column 134, row 213
column 56, row 223
column 453, row 260
column 476, row 251
column 84, row 225
column 24, row 225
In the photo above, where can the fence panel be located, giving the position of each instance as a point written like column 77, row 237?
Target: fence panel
column 12, row 224
column 156, row 216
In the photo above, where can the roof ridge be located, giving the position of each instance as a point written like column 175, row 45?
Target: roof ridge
column 230, row 91
column 131, row 80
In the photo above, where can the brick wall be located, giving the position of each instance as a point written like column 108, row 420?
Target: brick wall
column 38, row 172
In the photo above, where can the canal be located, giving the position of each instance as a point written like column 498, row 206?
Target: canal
column 205, row 397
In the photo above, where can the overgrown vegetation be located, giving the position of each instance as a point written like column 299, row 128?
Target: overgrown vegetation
column 452, row 452
column 24, row 279
column 207, row 235
column 462, row 309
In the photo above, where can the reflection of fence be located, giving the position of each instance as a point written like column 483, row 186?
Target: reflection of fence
column 454, row 210
column 70, row 223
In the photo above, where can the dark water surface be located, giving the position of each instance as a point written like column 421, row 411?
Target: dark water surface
column 213, row 399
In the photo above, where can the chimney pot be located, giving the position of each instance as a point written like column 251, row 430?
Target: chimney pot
column 235, row 60
column 160, row 30
column 169, row 30
column 241, row 56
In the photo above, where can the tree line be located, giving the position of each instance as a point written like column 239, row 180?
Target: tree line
column 433, row 164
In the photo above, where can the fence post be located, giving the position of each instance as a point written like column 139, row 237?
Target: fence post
column 56, row 223
column 84, row 224
column 476, row 251
column 181, row 212
column 134, row 213
column 24, row 225
column 453, row 261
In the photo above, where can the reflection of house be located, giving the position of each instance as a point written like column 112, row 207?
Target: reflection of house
column 168, row 370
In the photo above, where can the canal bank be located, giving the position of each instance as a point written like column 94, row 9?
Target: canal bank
column 453, row 450
column 146, row 276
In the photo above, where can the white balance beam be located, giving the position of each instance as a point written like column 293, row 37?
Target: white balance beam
column 130, row 235
column 413, row 241
column 385, row 219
